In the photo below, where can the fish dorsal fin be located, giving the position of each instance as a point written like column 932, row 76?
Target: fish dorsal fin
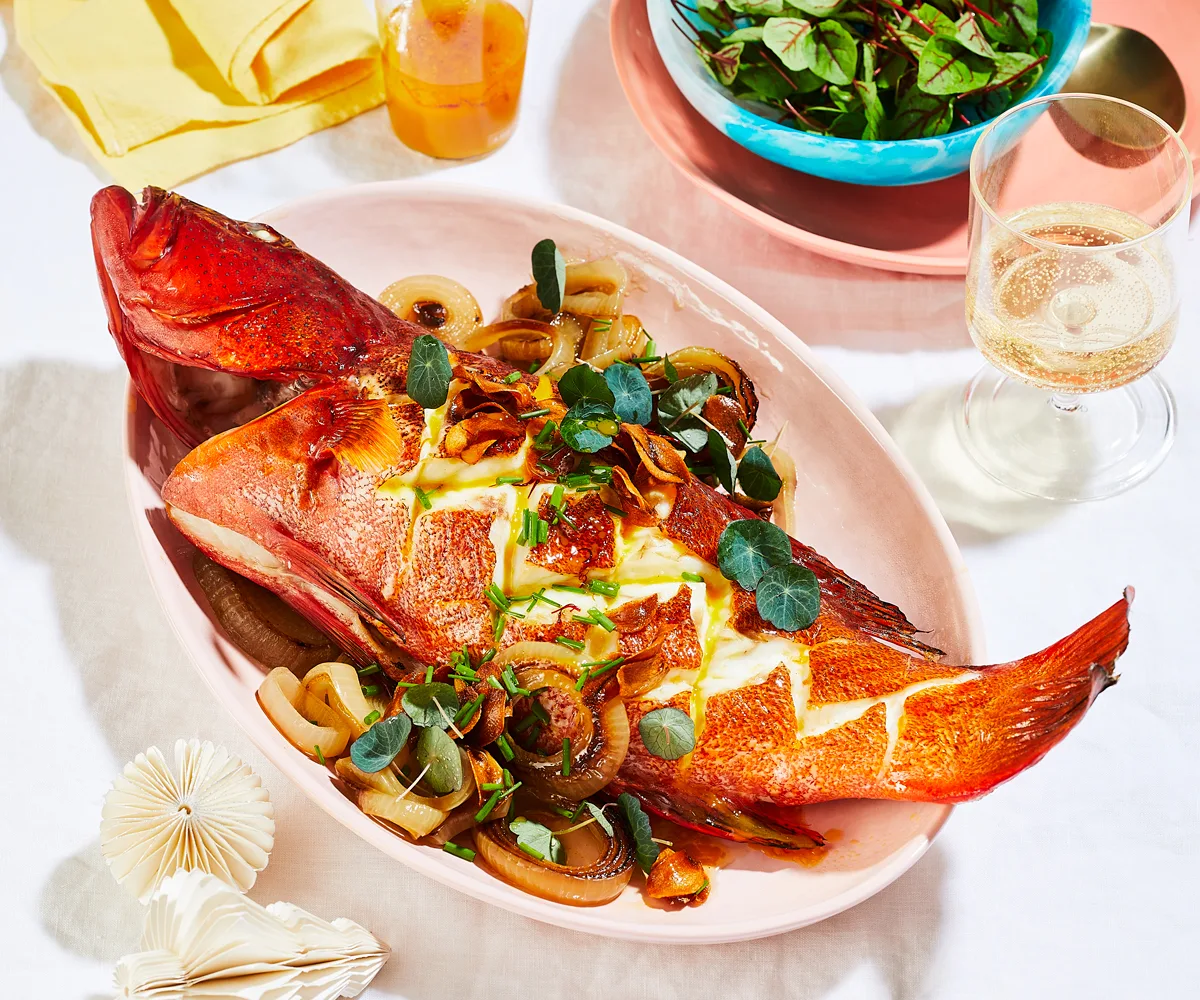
column 365, row 436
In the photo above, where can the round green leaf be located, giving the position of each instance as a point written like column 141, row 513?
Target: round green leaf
column 589, row 426
column 789, row 597
column 632, row 400
column 429, row 374
column 584, row 382
column 598, row 815
column 668, row 733
column 377, row 747
column 439, row 753
column 785, row 36
column 537, row 840
column 550, row 274
column 645, row 848
column 748, row 548
column 831, row 52
column 722, row 460
column 421, row 703
column 681, row 403
column 757, row 475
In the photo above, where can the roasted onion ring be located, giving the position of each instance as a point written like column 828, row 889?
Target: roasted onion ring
column 593, row 882
column 442, row 306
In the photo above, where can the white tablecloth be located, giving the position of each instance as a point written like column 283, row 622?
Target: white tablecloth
column 1079, row 879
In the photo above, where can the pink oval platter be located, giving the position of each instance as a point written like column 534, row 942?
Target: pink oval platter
column 859, row 503
column 921, row 229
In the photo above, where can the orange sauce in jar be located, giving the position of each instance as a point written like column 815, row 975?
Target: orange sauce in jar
column 453, row 71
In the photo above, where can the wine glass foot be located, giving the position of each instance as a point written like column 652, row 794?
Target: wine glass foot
column 1066, row 447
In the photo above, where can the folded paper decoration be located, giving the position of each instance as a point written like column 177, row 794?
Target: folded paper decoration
column 163, row 90
column 205, row 940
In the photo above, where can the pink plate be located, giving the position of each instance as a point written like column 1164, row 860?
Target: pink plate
column 921, row 229
column 862, row 506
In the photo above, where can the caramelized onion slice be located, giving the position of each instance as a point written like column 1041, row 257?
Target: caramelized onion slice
column 338, row 686
column 693, row 360
column 598, row 866
column 568, row 334
column 282, row 639
column 412, row 814
column 784, row 505
column 291, row 708
column 597, row 749
column 380, row 781
column 442, row 306
column 595, row 287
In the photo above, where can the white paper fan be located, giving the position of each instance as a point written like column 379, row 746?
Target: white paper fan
column 205, row 940
column 210, row 814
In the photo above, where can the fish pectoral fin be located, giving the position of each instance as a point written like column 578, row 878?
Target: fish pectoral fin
column 365, row 436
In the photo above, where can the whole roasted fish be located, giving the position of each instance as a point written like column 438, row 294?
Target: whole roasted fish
column 387, row 524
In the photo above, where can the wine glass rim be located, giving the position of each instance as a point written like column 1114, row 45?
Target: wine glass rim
column 1171, row 134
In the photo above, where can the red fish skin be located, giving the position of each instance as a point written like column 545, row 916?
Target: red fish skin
column 295, row 482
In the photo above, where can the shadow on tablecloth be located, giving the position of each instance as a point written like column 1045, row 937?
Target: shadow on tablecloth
column 63, row 503
column 605, row 163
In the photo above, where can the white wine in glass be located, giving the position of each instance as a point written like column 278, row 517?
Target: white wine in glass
column 1073, row 295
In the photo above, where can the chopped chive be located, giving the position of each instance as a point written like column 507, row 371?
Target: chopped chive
column 507, row 776
column 566, row 768
column 556, row 496
column 602, row 325
column 498, row 628
column 509, row 680
column 491, row 786
column 564, row 813
column 573, row 590
column 467, row 712
column 742, row 427
column 488, row 806
column 450, row 847
column 574, row 480
column 496, row 596
column 525, row 723
column 539, row 712
column 409, row 684
column 649, row 349
column 604, row 587
column 533, row 852
column 495, row 683
column 646, row 360
column 534, row 366
column 320, row 756
column 574, row 644
column 370, row 689
column 371, row 719
column 542, row 441
column 530, row 414
column 424, row 497
column 543, row 531
column 509, row 480
column 489, row 655
column 691, row 577
column 615, row 510
column 506, row 749
column 604, row 621
column 560, row 516
column 371, row 668
column 510, row 378
column 724, row 390
column 583, row 679
column 601, row 473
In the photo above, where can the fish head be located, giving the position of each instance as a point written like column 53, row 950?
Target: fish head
column 252, row 316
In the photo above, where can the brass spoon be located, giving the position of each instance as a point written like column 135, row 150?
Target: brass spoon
column 1122, row 62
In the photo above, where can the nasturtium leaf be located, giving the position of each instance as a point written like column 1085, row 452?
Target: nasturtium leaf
column 970, row 36
column 722, row 460
column 632, row 400
column 537, row 840
column 920, row 115
column 756, row 6
column 645, row 848
column 789, row 597
column 440, row 754
column 750, row 33
column 831, row 52
column 757, row 475
column 685, row 397
column 818, row 8
column 550, row 274
column 667, row 733
column 947, row 68
column 750, row 547
column 377, row 747
column 785, row 36
column 589, row 426
column 429, row 372
column 1012, row 22
column 669, row 370
column 421, row 704
column 584, row 382
column 598, row 815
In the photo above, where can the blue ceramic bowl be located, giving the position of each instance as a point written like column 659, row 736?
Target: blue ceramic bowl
column 855, row 161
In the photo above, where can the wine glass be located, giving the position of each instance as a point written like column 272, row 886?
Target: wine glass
column 1078, row 219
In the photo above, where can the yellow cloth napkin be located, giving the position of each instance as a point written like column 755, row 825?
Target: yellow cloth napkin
column 163, row 90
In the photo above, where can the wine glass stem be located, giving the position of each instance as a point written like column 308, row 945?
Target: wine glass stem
column 1066, row 402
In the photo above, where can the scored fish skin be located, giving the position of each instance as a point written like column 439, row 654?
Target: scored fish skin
column 316, row 499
